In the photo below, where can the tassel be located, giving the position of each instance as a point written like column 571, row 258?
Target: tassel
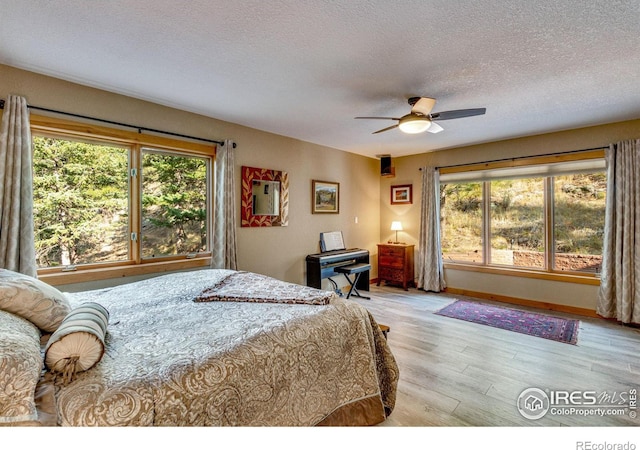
column 69, row 368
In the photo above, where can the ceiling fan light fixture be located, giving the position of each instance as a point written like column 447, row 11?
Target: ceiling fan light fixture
column 421, row 118
column 413, row 124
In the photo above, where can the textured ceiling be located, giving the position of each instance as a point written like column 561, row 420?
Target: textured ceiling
column 306, row 68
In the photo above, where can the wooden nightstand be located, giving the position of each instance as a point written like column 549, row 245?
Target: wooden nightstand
column 395, row 264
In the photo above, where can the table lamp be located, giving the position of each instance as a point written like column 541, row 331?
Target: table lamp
column 396, row 226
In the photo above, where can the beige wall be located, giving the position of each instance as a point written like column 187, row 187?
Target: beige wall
column 406, row 169
column 278, row 252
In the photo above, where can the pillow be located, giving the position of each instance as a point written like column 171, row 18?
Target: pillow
column 78, row 344
column 20, row 368
column 32, row 299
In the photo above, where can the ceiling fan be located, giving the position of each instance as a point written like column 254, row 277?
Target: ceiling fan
column 421, row 119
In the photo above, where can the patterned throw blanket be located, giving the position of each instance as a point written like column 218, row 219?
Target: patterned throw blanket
column 253, row 287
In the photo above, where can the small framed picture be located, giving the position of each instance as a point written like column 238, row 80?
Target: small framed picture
column 402, row 194
column 325, row 197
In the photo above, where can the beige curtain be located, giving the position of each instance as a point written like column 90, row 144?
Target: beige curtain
column 224, row 220
column 430, row 266
column 619, row 294
column 17, row 241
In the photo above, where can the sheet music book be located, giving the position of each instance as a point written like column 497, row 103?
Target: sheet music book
column 331, row 240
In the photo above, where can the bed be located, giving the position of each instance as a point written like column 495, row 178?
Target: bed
column 205, row 348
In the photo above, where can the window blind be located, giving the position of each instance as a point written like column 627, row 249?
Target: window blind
column 525, row 171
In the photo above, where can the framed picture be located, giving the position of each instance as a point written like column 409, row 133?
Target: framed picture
column 402, row 194
column 325, row 197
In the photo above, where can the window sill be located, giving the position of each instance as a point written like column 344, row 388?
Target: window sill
column 106, row 273
column 523, row 273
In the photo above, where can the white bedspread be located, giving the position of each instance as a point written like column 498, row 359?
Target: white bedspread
column 172, row 361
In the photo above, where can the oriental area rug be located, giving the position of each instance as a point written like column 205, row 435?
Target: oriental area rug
column 539, row 325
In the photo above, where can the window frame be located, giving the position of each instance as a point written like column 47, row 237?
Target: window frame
column 549, row 272
column 135, row 264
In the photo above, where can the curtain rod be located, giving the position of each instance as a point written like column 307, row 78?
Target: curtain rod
column 520, row 157
column 139, row 128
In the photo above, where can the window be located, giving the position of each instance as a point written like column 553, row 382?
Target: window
column 174, row 204
column 545, row 216
column 517, row 222
column 112, row 199
column 578, row 211
column 461, row 222
column 80, row 202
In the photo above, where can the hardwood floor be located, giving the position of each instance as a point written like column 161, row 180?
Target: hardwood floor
column 456, row 373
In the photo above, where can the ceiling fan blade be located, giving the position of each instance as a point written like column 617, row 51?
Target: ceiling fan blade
column 424, row 105
column 386, row 118
column 458, row 113
column 434, row 128
column 386, row 129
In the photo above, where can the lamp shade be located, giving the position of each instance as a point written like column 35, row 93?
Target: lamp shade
column 396, row 226
column 413, row 124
